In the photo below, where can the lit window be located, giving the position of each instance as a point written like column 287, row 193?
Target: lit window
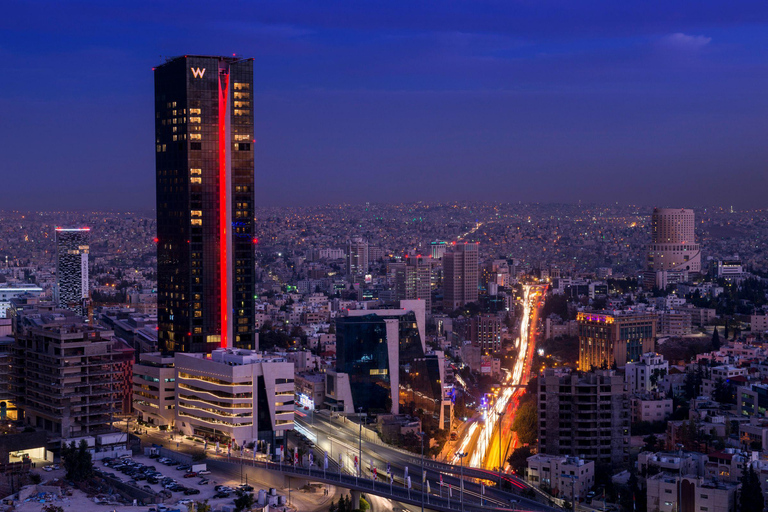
column 194, row 119
column 195, row 180
column 195, row 136
column 197, row 222
column 196, row 213
column 242, row 104
column 241, row 112
column 196, row 172
column 194, row 111
column 242, row 137
column 238, row 86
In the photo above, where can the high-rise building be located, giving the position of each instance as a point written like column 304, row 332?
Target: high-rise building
column 72, row 250
column 413, row 281
column 205, row 203
column 460, row 276
column 673, row 244
column 357, row 257
column 438, row 248
column 584, row 415
column 620, row 338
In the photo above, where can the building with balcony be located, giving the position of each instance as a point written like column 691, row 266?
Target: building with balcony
column 561, row 476
column 585, row 415
column 69, row 377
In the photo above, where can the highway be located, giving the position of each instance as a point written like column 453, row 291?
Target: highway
column 502, row 439
column 488, row 436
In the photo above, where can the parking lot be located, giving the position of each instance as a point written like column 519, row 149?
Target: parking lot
column 173, row 480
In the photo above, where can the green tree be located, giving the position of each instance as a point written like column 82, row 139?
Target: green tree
column 77, row 461
column 751, row 494
column 202, row 506
column 244, row 501
column 715, row 340
column 518, row 459
column 526, row 423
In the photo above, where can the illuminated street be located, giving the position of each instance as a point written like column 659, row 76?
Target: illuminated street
column 481, row 439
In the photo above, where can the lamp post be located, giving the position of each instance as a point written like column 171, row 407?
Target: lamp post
column 360, row 441
column 421, row 435
column 461, row 456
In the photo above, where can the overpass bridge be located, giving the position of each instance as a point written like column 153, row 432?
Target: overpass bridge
column 435, row 498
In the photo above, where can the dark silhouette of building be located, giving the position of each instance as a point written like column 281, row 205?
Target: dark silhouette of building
column 205, row 200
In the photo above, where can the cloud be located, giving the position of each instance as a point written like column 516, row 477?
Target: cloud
column 685, row 41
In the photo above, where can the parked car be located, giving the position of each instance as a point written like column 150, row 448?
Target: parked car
column 184, row 467
column 204, row 481
column 204, row 472
column 191, row 474
column 190, row 491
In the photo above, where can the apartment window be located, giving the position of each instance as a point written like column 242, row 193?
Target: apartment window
column 194, row 119
column 194, row 111
column 195, row 172
column 195, row 136
column 196, row 146
column 194, row 179
column 197, row 222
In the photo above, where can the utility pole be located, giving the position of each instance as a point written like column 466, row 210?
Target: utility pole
column 461, row 456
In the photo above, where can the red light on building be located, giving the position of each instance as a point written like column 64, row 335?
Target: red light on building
column 155, row 239
column 255, row 240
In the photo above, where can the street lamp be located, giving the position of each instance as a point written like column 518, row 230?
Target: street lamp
column 360, row 442
column 421, row 435
column 461, row 456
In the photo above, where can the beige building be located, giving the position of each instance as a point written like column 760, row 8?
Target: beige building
column 673, row 243
column 154, row 389
column 564, row 477
column 694, row 494
column 647, row 408
column 759, row 323
column 234, row 394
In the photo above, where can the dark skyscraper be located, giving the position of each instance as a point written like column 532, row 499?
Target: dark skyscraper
column 72, row 250
column 205, row 200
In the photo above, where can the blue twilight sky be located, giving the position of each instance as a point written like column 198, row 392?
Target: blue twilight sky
column 649, row 102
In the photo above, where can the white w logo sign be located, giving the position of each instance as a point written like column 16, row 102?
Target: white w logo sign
column 197, row 72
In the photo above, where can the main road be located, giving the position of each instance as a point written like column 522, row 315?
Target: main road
column 502, row 438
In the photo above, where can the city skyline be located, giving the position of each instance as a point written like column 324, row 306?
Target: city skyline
column 404, row 103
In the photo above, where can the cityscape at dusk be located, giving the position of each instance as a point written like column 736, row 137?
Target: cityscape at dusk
column 384, row 256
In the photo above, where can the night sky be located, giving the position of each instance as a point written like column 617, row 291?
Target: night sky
column 646, row 102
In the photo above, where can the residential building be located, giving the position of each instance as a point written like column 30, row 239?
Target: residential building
column 7, row 293
column 69, row 376
column 674, row 323
column 759, row 323
column 561, row 476
column 620, row 338
column 669, row 493
column 460, row 276
column 585, row 415
column 72, row 248
column 646, row 374
column 234, row 395
column 730, row 270
column 205, row 203
column 650, row 408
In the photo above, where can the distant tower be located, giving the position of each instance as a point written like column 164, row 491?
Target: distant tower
column 460, row 276
column 205, row 203
column 357, row 257
column 673, row 243
column 413, row 281
column 72, row 250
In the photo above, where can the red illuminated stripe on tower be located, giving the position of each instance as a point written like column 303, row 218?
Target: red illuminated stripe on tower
column 224, row 260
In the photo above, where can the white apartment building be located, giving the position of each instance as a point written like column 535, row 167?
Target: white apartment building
column 646, row 374
column 234, row 394
column 650, row 408
column 695, row 493
column 154, row 389
column 8, row 293
column 562, row 476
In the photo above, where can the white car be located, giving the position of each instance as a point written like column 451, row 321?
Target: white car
column 204, row 472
